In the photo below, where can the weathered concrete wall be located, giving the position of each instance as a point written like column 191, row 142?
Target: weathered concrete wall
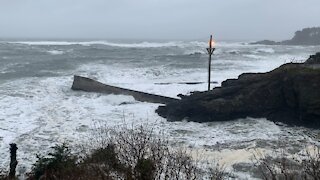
column 90, row 85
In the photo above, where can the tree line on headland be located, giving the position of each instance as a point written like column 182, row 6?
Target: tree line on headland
column 306, row 36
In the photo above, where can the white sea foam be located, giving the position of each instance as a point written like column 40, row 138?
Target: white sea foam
column 231, row 44
column 254, row 56
column 234, row 51
column 46, row 43
column 145, row 44
column 10, row 67
column 264, row 50
column 89, row 43
column 146, row 78
column 44, row 111
column 138, row 45
column 288, row 58
column 55, row 52
column 194, row 52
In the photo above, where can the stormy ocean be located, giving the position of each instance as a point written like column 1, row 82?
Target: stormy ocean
column 39, row 109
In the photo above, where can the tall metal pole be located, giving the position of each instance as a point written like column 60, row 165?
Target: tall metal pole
column 210, row 52
column 209, row 65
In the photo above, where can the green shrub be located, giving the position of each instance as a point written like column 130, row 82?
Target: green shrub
column 59, row 163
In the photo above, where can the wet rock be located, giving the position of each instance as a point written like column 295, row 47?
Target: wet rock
column 266, row 42
column 289, row 94
column 314, row 59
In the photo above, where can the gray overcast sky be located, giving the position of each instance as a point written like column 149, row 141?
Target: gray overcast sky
column 157, row 19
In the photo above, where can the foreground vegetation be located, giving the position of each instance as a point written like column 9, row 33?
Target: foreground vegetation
column 129, row 154
column 280, row 166
column 137, row 154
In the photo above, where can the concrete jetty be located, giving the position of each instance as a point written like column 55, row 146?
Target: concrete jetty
column 89, row 85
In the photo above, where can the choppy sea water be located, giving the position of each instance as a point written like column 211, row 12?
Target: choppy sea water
column 39, row 110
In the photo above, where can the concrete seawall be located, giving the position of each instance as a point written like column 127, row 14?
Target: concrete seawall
column 90, row 85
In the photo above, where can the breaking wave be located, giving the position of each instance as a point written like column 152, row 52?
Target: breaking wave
column 55, row 52
column 264, row 50
column 89, row 43
column 145, row 44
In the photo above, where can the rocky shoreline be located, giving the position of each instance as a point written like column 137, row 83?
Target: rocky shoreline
column 289, row 94
column 307, row 36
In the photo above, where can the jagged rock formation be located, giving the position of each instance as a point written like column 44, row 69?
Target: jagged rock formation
column 314, row 59
column 90, row 85
column 289, row 94
column 307, row 36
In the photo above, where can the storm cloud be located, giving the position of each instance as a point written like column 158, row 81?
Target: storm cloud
column 157, row 19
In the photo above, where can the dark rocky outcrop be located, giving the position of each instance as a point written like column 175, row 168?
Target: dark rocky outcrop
column 307, row 36
column 314, row 59
column 266, row 42
column 90, row 85
column 289, row 94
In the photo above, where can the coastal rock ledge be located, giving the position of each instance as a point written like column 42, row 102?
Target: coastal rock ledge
column 288, row 94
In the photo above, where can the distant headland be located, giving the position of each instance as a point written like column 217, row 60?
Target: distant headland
column 306, row 36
